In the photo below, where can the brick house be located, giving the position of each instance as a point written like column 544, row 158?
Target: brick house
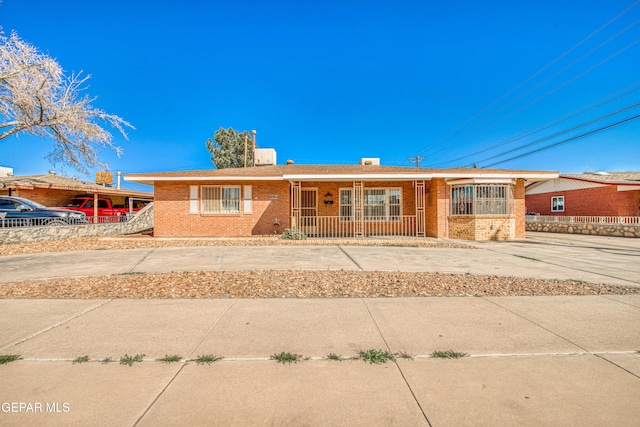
column 586, row 194
column 341, row 201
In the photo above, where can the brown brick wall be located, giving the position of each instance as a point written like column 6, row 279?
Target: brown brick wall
column 480, row 227
column 598, row 201
column 437, row 208
column 172, row 217
column 519, row 209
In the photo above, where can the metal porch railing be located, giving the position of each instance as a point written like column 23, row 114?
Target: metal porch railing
column 335, row 226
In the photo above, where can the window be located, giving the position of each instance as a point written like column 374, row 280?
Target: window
column 346, row 204
column 481, row 199
column 220, row 200
column 380, row 204
column 557, row 204
column 9, row 205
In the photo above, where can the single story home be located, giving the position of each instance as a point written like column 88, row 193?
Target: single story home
column 586, row 194
column 53, row 190
column 341, row 201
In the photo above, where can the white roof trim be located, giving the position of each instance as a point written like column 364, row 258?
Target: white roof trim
column 135, row 178
column 357, row 177
column 559, row 185
column 480, row 181
column 349, row 177
column 508, row 175
column 628, row 187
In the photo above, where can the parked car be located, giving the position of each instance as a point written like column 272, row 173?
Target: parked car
column 107, row 210
column 19, row 212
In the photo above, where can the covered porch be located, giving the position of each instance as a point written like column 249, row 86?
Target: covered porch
column 359, row 208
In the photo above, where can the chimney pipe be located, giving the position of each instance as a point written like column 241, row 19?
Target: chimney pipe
column 119, row 174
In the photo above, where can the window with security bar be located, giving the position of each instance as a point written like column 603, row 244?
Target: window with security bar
column 482, row 199
column 220, row 200
column 380, row 204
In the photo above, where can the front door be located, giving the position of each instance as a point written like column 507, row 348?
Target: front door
column 308, row 210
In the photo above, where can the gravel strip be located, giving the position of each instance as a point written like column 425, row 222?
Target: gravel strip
column 138, row 241
column 299, row 284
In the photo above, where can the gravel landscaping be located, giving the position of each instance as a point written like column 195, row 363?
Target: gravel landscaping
column 278, row 283
column 141, row 241
column 298, row 284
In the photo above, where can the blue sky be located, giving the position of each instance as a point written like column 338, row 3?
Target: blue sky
column 333, row 81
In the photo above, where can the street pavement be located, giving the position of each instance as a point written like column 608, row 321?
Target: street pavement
column 543, row 361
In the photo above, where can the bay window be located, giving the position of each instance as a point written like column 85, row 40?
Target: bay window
column 481, row 199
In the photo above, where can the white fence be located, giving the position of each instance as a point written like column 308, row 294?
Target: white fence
column 624, row 220
column 335, row 226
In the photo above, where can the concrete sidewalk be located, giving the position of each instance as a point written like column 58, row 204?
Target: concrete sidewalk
column 595, row 259
column 532, row 361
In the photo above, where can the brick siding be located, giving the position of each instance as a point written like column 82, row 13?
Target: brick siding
column 437, row 208
column 172, row 217
column 599, row 201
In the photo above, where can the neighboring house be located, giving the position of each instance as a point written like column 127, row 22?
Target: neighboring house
column 586, row 194
column 53, row 190
column 341, row 201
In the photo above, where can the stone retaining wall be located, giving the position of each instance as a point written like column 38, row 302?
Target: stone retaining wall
column 617, row 230
column 142, row 221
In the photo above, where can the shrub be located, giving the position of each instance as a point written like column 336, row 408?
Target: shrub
column 293, row 234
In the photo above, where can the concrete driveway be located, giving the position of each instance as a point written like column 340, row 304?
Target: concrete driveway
column 593, row 259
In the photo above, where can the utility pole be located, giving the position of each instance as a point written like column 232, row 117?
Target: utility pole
column 417, row 160
column 246, row 137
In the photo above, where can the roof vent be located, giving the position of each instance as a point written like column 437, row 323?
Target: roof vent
column 52, row 172
column 370, row 161
column 289, row 162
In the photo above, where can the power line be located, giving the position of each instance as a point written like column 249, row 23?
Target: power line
column 548, row 125
column 565, row 141
column 593, row 67
column 457, row 130
column 562, row 132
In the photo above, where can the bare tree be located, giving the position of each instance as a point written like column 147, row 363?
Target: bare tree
column 36, row 97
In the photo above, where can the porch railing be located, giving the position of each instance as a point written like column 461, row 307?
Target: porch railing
column 625, row 220
column 335, row 226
